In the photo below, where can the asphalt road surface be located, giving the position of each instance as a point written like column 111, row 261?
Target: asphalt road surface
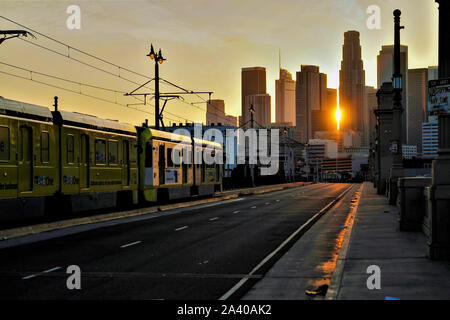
column 194, row 254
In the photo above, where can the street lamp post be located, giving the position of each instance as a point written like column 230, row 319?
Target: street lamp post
column 252, row 166
column 396, row 141
column 159, row 59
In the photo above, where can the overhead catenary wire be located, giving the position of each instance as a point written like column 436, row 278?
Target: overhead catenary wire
column 119, row 75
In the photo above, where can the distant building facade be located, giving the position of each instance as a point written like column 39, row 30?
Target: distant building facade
column 409, row 151
column 352, row 79
column 311, row 102
column 285, row 98
column 430, row 139
column 215, row 114
column 261, row 103
column 253, row 82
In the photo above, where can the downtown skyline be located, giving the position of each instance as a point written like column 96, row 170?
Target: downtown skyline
column 300, row 38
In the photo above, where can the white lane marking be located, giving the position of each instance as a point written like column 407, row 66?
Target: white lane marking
column 52, row 269
column 181, row 228
column 130, row 244
column 237, row 211
column 253, row 207
column 269, row 256
column 215, row 218
column 277, row 200
column 267, row 203
column 29, row 277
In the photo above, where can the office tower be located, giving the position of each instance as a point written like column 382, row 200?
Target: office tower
column 385, row 70
column 430, row 139
column 352, row 81
column 285, row 98
column 370, row 104
column 253, row 82
column 311, row 102
column 417, row 108
column 261, row 104
column 215, row 111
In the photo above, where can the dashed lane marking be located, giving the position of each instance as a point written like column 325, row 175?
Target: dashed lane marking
column 130, row 244
column 181, row 228
column 215, row 218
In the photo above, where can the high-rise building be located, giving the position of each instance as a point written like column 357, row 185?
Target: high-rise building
column 430, row 139
column 370, row 104
column 261, row 104
column 285, row 98
column 253, row 82
column 417, row 108
column 311, row 102
column 352, row 79
column 215, row 111
column 385, row 70
column 215, row 114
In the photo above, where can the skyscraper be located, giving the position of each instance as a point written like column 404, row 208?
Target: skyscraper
column 370, row 104
column 352, row 79
column 215, row 111
column 385, row 70
column 311, row 102
column 261, row 104
column 253, row 82
column 417, row 107
column 285, row 98
column 215, row 114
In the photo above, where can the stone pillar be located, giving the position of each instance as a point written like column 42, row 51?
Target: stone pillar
column 438, row 195
column 383, row 156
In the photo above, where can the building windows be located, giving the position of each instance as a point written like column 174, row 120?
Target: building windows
column 45, row 148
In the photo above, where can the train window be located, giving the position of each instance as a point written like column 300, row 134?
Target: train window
column 149, row 155
column 169, row 157
column 70, row 148
column 45, row 150
column 100, row 151
column 113, row 151
column 4, row 143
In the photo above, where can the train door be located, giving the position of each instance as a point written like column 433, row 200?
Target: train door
column 184, row 166
column 126, row 162
column 162, row 164
column 25, row 159
column 85, row 162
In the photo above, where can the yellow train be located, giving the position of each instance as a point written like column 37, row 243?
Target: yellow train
column 58, row 162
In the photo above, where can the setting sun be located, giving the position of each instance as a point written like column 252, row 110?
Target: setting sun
column 338, row 116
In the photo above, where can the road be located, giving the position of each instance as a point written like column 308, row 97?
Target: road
column 199, row 253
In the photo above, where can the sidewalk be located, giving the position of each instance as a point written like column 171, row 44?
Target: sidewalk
column 406, row 272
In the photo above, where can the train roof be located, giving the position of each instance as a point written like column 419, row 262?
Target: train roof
column 169, row 136
column 93, row 122
column 24, row 110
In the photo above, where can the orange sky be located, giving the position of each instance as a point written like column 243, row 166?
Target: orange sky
column 206, row 43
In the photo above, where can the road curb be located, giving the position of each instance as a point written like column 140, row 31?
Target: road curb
column 336, row 278
column 18, row 232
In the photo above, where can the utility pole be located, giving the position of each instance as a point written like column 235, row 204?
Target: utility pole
column 158, row 59
column 252, row 166
column 396, row 139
